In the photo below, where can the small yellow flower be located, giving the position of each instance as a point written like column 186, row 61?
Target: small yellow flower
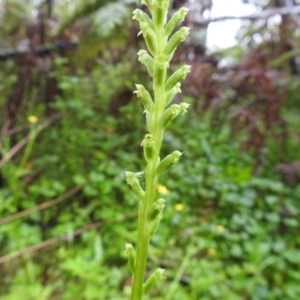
column 179, row 207
column 32, row 119
column 212, row 252
column 220, row 228
column 28, row 165
column 162, row 189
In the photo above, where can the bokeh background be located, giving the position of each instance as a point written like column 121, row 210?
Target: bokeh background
column 71, row 126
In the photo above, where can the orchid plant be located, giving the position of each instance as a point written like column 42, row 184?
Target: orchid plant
column 161, row 43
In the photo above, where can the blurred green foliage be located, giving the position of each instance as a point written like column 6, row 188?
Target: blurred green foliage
column 234, row 236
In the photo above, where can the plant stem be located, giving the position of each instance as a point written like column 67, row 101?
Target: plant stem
column 151, row 187
column 143, row 234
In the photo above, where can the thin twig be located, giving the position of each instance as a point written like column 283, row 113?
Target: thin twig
column 63, row 238
column 24, row 141
column 38, row 50
column 41, row 206
column 261, row 15
column 17, row 129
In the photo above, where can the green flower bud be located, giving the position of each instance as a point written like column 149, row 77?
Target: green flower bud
column 140, row 16
column 149, row 121
column 161, row 69
column 170, row 114
column 135, row 185
column 149, row 147
column 175, row 20
column 171, row 94
column 150, row 37
column 175, row 40
column 156, row 209
column 145, row 97
column 184, row 106
column 147, row 60
column 154, row 278
column 131, row 256
column 168, row 161
column 153, row 226
column 141, row 178
column 177, row 77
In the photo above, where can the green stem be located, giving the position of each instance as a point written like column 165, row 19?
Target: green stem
column 151, row 187
column 143, row 233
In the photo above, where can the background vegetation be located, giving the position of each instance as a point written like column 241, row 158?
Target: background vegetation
column 71, row 126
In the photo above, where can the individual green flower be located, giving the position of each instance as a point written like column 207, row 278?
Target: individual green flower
column 135, row 185
column 145, row 96
column 149, row 37
column 149, row 147
column 175, row 20
column 168, row 161
column 172, row 112
column 175, row 40
column 154, row 278
column 177, row 76
column 171, row 94
column 140, row 16
column 156, row 208
column 153, row 226
column 131, row 256
column 146, row 59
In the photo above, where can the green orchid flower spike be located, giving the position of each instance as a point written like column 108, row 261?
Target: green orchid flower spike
column 161, row 41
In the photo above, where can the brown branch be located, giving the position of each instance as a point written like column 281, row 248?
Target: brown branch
column 16, row 130
column 63, row 238
column 41, row 206
column 38, row 50
column 283, row 11
column 24, row 141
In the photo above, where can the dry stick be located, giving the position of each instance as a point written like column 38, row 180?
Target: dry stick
column 23, row 142
column 62, row 238
column 255, row 16
column 38, row 50
column 17, row 129
column 41, row 206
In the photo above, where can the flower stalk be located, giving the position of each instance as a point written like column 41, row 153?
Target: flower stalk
column 161, row 48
